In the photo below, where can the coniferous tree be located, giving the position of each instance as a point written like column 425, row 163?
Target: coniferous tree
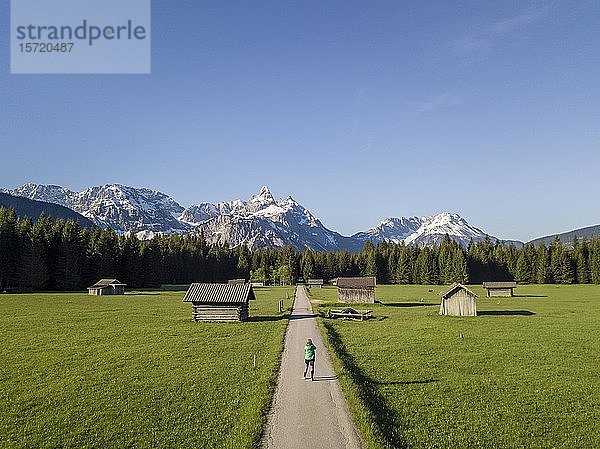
column 34, row 273
column 446, row 260
column 69, row 258
column 130, row 261
column 581, row 255
column 594, row 260
column 307, row 264
column 460, row 272
column 542, row 270
column 562, row 265
column 9, row 249
column 404, row 269
column 526, row 265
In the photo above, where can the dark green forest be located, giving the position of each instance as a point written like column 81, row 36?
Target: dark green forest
column 49, row 254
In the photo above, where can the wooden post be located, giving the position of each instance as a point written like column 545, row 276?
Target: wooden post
column 280, row 305
column 254, row 361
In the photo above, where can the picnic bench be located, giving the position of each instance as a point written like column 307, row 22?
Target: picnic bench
column 350, row 314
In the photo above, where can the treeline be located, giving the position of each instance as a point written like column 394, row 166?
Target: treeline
column 61, row 255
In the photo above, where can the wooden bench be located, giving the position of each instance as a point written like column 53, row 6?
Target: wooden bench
column 360, row 315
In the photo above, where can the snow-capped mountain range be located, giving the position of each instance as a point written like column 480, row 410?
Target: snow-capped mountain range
column 119, row 207
column 260, row 222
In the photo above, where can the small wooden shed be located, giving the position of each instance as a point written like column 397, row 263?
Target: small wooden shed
column 500, row 288
column 219, row 302
column 315, row 283
column 356, row 289
column 107, row 287
column 458, row 300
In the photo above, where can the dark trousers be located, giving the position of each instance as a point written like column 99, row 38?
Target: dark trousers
column 310, row 363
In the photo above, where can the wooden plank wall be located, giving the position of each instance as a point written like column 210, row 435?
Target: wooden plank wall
column 503, row 292
column 460, row 304
column 204, row 312
column 354, row 295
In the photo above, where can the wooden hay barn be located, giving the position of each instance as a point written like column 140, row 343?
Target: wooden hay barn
column 315, row 283
column 107, row 287
column 458, row 300
column 356, row 289
column 500, row 288
column 219, row 302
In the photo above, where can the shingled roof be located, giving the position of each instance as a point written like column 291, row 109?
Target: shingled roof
column 356, row 282
column 499, row 284
column 219, row 293
column 454, row 287
column 106, row 282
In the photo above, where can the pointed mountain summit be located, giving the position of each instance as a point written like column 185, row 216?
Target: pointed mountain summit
column 263, row 222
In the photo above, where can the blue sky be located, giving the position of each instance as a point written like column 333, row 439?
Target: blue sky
column 359, row 110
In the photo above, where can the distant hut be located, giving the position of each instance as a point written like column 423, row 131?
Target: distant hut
column 315, row 283
column 356, row 289
column 500, row 288
column 458, row 300
column 219, row 302
column 257, row 282
column 107, row 287
column 236, row 281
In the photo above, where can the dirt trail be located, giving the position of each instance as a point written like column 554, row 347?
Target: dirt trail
column 305, row 413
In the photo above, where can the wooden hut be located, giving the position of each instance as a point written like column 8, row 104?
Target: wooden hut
column 356, row 289
column 219, row 302
column 236, row 281
column 107, row 287
column 257, row 282
column 458, row 300
column 315, row 283
column 499, row 288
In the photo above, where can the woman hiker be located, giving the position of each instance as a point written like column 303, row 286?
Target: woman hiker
column 309, row 359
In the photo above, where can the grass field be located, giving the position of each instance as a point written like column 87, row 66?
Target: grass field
column 134, row 372
column 525, row 373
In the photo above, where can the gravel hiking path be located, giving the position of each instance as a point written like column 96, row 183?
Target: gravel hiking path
column 305, row 413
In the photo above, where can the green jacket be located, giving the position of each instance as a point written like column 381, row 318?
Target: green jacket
column 309, row 352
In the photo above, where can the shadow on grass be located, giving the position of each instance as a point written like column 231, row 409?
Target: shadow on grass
column 405, row 382
column 506, row 312
column 258, row 319
column 142, row 294
column 410, row 304
column 528, row 296
column 301, row 316
column 386, row 420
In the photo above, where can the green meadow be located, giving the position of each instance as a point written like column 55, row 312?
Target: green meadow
column 134, row 371
column 522, row 374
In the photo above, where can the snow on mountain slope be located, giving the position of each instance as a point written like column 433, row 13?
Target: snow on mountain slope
column 119, row 207
column 391, row 230
column 261, row 221
column 424, row 231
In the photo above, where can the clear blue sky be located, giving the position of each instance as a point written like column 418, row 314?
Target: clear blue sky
column 359, row 110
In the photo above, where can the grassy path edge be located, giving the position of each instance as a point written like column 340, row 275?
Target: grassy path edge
column 266, row 409
column 377, row 424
